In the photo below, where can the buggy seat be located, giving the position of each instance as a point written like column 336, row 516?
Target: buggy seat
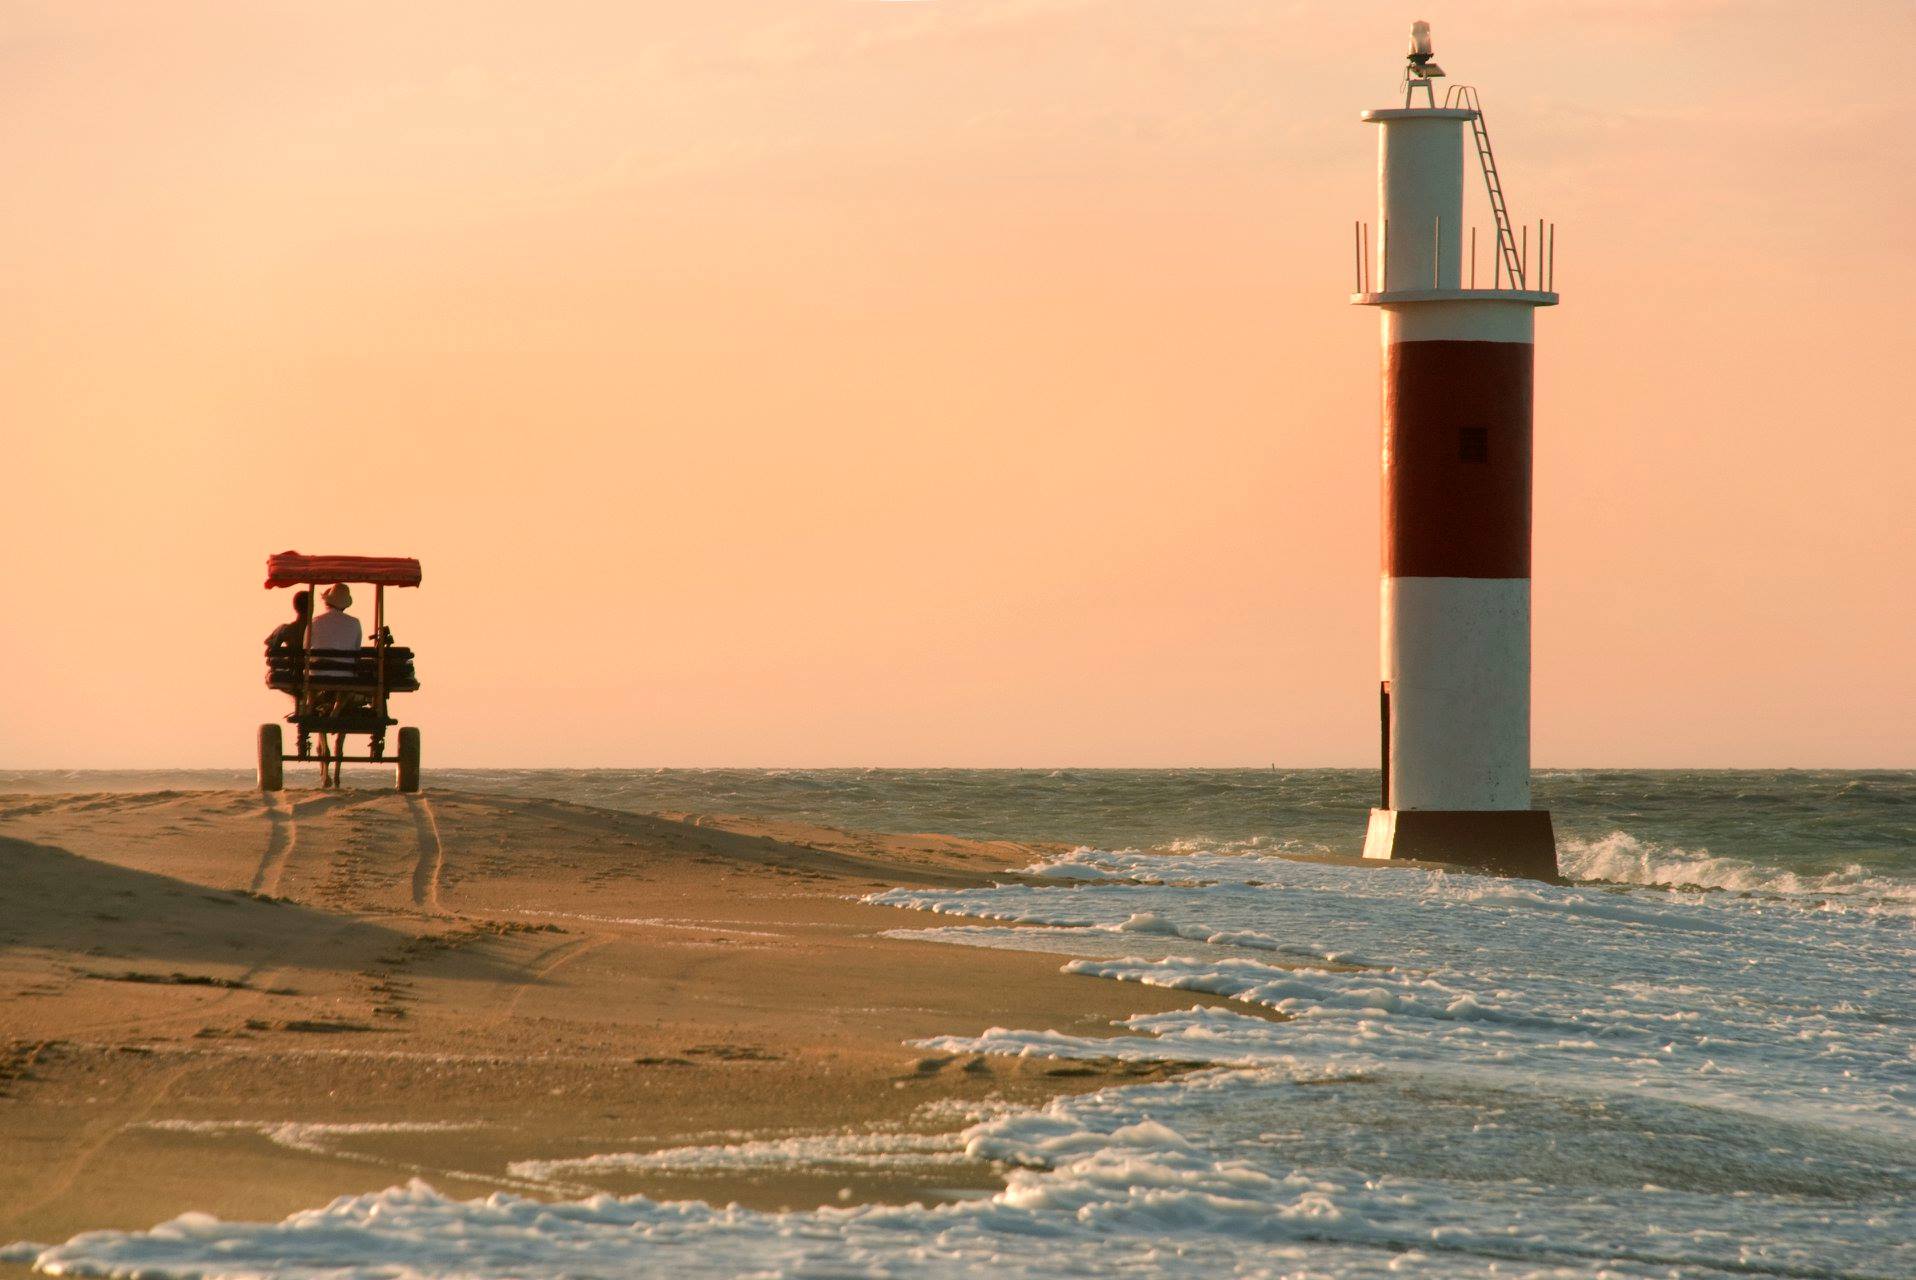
column 341, row 670
column 327, row 672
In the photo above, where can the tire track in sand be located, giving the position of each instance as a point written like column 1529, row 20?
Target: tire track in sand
column 95, row 1136
column 280, row 839
column 543, row 966
column 432, row 854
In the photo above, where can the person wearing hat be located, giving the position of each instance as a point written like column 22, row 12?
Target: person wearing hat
column 335, row 628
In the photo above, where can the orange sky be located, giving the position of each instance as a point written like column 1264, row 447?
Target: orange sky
column 849, row 382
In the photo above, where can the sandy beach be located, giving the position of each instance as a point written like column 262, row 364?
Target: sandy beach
column 245, row 1006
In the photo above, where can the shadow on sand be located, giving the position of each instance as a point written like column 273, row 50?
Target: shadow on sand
column 110, row 916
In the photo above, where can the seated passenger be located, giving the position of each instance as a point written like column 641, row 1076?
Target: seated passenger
column 289, row 638
column 335, row 628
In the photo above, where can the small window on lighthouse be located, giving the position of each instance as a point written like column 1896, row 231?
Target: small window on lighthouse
column 1473, row 444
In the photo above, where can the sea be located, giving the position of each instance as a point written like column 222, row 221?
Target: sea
column 1695, row 1059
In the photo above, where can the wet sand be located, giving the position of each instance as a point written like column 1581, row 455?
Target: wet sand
column 248, row 1005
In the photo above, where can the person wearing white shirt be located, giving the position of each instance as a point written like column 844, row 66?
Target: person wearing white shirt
column 335, row 628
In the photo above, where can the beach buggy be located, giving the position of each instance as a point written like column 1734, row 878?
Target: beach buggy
column 339, row 692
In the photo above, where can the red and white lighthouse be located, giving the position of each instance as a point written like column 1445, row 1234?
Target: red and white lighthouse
column 1455, row 592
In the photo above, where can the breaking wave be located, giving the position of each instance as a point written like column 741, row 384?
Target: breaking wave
column 1621, row 858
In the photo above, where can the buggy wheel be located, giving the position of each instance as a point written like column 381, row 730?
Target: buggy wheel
column 409, row 759
column 272, row 771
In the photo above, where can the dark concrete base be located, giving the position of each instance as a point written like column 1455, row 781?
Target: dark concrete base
column 1513, row 842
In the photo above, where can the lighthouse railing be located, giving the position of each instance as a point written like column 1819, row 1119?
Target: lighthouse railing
column 1517, row 279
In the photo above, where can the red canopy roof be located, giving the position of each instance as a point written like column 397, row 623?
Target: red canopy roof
column 291, row 569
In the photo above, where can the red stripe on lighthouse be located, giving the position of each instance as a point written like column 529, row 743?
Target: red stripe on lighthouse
column 1457, row 459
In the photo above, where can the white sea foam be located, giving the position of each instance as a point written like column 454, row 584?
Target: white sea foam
column 1515, row 977
column 1431, row 1075
column 1156, row 922
column 333, row 1140
column 820, row 1152
column 1148, row 1210
column 887, row 1148
column 1137, row 1181
column 320, row 1139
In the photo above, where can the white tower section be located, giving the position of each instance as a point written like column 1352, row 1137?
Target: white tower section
column 1420, row 197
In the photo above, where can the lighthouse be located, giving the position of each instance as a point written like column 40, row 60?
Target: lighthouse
column 1458, row 312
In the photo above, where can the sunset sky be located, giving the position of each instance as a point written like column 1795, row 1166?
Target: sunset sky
column 842, row 382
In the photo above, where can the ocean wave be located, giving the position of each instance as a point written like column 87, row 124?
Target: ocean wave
column 1621, row 858
column 1626, row 987
column 1158, row 924
column 818, row 1153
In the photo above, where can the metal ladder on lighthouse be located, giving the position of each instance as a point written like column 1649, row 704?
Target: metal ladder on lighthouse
column 1465, row 96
